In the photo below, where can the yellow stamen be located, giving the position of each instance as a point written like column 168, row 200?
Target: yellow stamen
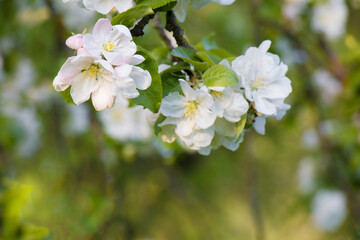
column 256, row 84
column 109, row 46
column 92, row 71
column 217, row 95
column 191, row 109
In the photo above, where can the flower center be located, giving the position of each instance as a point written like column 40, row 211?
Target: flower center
column 108, row 46
column 92, row 71
column 191, row 109
column 217, row 95
column 258, row 83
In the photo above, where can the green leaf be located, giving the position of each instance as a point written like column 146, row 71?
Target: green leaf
column 170, row 78
column 158, row 5
column 129, row 17
column 67, row 97
column 220, row 76
column 205, row 57
column 190, row 56
column 239, row 126
column 151, row 97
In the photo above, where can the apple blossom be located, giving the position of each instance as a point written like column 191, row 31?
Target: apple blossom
column 88, row 76
column 113, row 42
column 191, row 114
column 263, row 78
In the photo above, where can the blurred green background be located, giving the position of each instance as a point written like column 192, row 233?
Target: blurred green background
column 63, row 177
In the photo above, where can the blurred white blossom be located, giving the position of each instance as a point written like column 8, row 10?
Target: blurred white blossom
column 327, row 85
column 30, row 126
column 126, row 123
column 292, row 8
column 310, row 139
column 78, row 120
column 329, row 209
column 329, row 17
column 306, row 175
column 182, row 6
column 75, row 17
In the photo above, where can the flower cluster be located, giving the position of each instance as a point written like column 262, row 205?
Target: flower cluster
column 206, row 117
column 104, row 66
column 104, row 7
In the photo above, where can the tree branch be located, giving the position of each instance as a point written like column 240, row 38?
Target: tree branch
column 138, row 29
column 161, row 31
column 178, row 33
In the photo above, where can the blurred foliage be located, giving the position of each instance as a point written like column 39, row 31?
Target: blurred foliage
column 89, row 186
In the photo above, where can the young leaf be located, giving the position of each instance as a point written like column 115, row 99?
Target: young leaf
column 67, row 97
column 189, row 55
column 158, row 5
column 129, row 17
column 220, row 76
column 239, row 126
column 151, row 97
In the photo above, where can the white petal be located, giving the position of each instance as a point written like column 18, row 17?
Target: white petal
column 190, row 94
column 202, row 138
column 205, row 118
column 82, row 87
column 103, row 6
column 123, row 70
column 237, row 108
column 259, row 125
column 173, row 105
column 264, row 106
column 141, row 77
column 103, row 97
column 265, row 45
column 185, row 126
column 123, row 5
column 102, row 28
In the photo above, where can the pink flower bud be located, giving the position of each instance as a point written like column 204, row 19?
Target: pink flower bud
column 81, row 51
column 75, row 42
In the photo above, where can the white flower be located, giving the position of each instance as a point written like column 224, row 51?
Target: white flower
column 105, row 6
column 306, row 175
column 182, row 6
column 263, row 78
column 191, row 114
column 329, row 209
column 292, row 8
column 88, row 76
column 330, row 18
column 113, row 42
column 124, row 123
column 328, row 86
